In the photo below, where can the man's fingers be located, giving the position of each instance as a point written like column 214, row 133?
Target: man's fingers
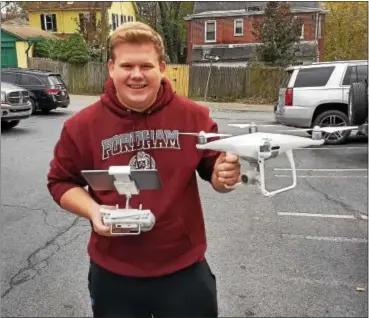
column 228, row 174
column 229, row 181
column 226, row 166
column 231, row 158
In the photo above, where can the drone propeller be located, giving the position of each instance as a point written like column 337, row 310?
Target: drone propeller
column 206, row 135
column 251, row 125
column 328, row 130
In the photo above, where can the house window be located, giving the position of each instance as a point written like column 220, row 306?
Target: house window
column 210, row 31
column 48, row 22
column 302, row 36
column 115, row 21
column 123, row 19
column 302, row 31
column 320, row 27
column 238, row 27
column 130, row 18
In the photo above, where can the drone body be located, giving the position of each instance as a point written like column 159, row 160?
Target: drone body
column 251, row 145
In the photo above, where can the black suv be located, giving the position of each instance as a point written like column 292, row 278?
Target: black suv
column 47, row 89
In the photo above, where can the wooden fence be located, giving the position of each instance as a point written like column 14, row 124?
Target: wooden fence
column 231, row 83
column 225, row 83
column 90, row 78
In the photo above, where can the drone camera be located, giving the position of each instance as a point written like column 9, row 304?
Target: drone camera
column 244, row 179
column 201, row 140
column 316, row 135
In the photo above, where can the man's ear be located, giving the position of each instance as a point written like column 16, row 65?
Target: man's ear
column 110, row 66
column 163, row 66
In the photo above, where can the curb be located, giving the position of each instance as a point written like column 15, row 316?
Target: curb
column 214, row 106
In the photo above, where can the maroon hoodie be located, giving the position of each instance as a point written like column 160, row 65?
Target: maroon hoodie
column 106, row 134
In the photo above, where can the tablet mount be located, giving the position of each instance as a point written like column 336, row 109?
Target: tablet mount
column 128, row 182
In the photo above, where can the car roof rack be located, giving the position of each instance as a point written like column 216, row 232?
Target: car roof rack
column 28, row 69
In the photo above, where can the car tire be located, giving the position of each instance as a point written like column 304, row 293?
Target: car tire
column 321, row 118
column 358, row 103
column 34, row 106
column 6, row 125
column 45, row 111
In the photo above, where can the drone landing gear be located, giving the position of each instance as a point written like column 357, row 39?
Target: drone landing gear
column 262, row 176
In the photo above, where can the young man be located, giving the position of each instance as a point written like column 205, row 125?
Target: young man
column 162, row 272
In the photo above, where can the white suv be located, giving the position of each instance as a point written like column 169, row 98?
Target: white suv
column 317, row 94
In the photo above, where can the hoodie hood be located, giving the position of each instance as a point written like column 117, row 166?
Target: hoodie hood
column 109, row 99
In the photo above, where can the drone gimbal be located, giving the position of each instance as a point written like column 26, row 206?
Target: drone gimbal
column 257, row 175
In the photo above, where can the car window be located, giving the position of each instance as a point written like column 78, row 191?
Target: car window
column 9, row 77
column 313, row 77
column 286, row 78
column 362, row 73
column 348, row 76
column 56, row 80
column 29, row 80
column 355, row 74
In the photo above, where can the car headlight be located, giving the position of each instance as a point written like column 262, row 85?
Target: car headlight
column 3, row 97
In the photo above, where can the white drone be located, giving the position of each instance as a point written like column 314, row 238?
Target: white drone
column 257, row 147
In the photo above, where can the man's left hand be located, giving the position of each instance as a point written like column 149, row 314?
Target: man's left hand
column 227, row 172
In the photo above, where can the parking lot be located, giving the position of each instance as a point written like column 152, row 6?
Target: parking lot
column 302, row 253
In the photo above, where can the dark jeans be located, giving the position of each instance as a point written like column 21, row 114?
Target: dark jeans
column 190, row 292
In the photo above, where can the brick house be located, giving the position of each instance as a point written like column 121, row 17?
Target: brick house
column 225, row 29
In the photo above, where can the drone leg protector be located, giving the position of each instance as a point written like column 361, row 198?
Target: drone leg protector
column 262, row 176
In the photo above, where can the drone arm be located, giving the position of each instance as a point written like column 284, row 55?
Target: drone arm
column 262, row 176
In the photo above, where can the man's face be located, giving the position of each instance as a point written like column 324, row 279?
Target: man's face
column 136, row 73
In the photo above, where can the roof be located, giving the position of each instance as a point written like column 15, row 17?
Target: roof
column 243, row 52
column 36, row 6
column 26, row 32
column 243, row 12
column 203, row 6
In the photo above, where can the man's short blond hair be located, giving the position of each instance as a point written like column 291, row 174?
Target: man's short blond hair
column 137, row 32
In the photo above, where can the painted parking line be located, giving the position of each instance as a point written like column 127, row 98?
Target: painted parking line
column 322, row 169
column 330, row 148
column 319, row 215
column 327, row 238
column 331, row 177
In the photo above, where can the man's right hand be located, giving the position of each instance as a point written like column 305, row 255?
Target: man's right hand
column 96, row 219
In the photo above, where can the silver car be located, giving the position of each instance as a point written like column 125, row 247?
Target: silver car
column 317, row 94
column 15, row 105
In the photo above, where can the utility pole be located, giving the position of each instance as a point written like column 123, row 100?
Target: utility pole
column 104, row 31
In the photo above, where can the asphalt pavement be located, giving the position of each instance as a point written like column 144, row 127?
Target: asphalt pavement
column 302, row 253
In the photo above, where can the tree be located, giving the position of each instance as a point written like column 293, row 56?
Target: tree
column 166, row 17
column 94, row 31
column 12, row 10
column 278, row 32
column 346, row 31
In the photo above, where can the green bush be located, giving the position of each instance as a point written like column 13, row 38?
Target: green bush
column 73, row 50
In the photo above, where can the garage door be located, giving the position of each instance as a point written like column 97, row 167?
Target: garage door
column 8, row 55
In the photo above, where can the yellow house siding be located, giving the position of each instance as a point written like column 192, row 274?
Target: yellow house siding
column 21, row 48
column 65, row 20
column 125, row 8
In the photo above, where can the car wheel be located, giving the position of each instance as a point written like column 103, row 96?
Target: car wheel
column 333, row 118
column 9, row 124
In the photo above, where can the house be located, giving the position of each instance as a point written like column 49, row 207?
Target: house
column 17, row 42
column 224, row 29
column 62, row 17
